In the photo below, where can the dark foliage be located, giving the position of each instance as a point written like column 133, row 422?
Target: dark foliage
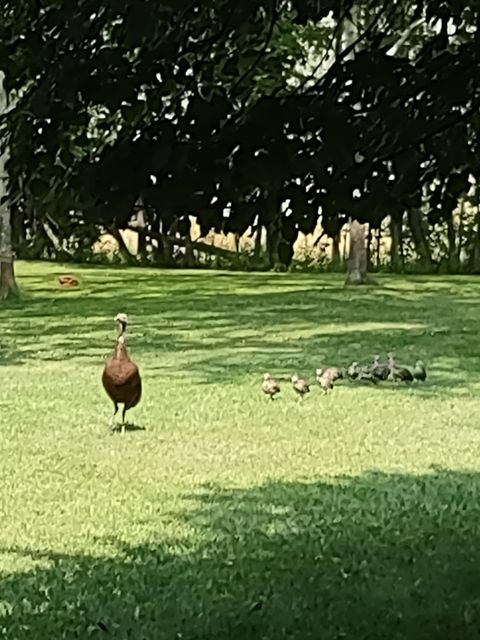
column 163, row 103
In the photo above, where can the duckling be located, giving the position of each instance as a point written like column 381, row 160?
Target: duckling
column 270, row 386
column 398, row 372
column 420, row 371
column 356, row 372
column 334, row 373
column 353, row 371
column 379, row 370
column 300, row 386
column 325, row 380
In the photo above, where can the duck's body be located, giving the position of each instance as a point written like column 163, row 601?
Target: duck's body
column 420, row 371
column 326, row 378
column 379, row 370
column 333, row 373
column 353, row 371
column 121, row 377
column 356, row 372
column 300, row 386
column 398, row 372
column 270, row 386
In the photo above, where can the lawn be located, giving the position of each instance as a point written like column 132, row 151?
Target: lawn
column 355, row 515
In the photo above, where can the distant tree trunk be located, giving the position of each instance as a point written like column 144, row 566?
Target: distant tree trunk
column 185, row 229
column 59, row 251
column 142, row 237
column 336, row 255
column 475, row 259
column 357, row 257
column 461, row 238
column 274, row 237
column 8, row 285
column 378, row 247
column 189, row 261
column 274, row 232
column 345, row 234
column 452, row 246
column 257, row 251
column 396, row 248
column 236, row 240
column 168, row 249
column 369, row 247
column 420, row 239
column 122, row 247
column 18, row 229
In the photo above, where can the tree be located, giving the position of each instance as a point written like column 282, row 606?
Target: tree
column 183, row 108
column 357, row 258
column 8, row 284
column 357, row 263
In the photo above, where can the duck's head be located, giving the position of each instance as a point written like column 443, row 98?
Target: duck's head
column 122, row 320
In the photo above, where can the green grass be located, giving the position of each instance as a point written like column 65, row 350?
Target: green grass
column 355, row 515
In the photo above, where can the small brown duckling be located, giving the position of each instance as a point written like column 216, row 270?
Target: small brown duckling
column 270, row 386
column 300, row 386
column 325, row 380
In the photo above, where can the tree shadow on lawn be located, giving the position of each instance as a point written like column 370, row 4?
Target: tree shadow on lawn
column 219, row 333
column 377, row 556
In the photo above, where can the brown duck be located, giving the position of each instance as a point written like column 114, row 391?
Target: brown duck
column 325, row 378
column 300, row 386
column 270, row 386
column 121, row 377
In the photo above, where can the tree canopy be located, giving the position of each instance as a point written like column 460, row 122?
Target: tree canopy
column 200, row 108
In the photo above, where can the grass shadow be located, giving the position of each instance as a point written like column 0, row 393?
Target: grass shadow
column 370, row 557
column 218, row 326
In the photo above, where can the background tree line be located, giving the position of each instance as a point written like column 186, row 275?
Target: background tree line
column 262, row 117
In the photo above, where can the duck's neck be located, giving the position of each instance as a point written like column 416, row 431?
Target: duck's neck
column 120, row 348
column 121, row 329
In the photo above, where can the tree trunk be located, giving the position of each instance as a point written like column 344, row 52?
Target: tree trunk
column 452, row 246
column 378, row 247
column 369, row 247
column 475, row 259
column 357, row 257
column 18, row 228
column 274, row 237
column 163, row 252
column 257, row 251
column 461, row 236
column 336, row 255
column 8, row 285
column 420, row 239
column 396, row 248
column 189, row 260
column 122, row 247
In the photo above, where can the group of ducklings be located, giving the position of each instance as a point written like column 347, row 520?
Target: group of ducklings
column 374, row 372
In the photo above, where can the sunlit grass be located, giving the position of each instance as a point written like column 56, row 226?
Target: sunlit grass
column 231, row 516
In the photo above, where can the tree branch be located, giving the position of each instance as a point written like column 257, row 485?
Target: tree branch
column 393, row 50
column 254, row 64
column 181, row 242
column 352, row 46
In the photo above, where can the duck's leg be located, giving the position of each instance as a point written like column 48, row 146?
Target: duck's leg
column 112, row 421
column 123, row 418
